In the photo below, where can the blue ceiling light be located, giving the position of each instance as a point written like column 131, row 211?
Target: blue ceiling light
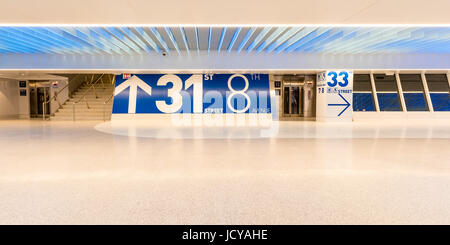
column 209, row 39
column 133, row 37
column 283, row 38
column 197, row 40
column 339, row 47
column 258, row 38
column 121, row 40
column 380, row 37
column 222, row 36
column 148, row 39
column 183, row 34
column 40, row 37
column 83, row 46
column 318, row 45
column 110, row 39
column 297, row 37
column 87, row 44
column 310, row 36
column 172, row 38
column 233, row 39
column 270, row 39
column 13, row 37
column 64, row 43
column 160, row 39
column 246, row 38
column 91, row 34
column 347, row 34
column 16, row 47
column 313, row 41
column 132, row 40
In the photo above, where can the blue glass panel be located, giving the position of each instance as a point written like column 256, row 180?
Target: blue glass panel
column 415, row 102
column 363, row 102
column 441, row 101
column 389, row 102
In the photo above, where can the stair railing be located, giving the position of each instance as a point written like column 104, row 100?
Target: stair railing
column 113, row 80
column 83, row 96
column 55, row 97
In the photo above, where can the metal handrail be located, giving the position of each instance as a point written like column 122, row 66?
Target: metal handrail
column 108, row 99
column 83, row 97
column 55, row 97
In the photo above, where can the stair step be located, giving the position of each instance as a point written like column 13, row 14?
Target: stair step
column 97, row 109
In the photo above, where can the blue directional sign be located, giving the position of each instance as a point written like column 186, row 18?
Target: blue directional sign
column 192, row 93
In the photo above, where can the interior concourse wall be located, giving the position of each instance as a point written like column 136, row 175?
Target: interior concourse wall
column 230, row 62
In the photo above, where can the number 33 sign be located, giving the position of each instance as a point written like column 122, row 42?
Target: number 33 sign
column 192, row 93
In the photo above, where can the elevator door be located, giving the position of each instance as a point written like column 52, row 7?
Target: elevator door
column 39, row 92
column 292, row 98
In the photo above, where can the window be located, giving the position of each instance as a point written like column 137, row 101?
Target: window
column 362, row 93
column 413, row 92
column 387, row 92
column 439, row 91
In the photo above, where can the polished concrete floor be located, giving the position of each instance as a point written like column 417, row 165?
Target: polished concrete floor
column 99, row 173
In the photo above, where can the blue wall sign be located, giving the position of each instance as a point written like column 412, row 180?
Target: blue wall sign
column 192, row 93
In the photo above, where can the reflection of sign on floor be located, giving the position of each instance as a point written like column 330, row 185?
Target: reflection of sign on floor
column 335, row 95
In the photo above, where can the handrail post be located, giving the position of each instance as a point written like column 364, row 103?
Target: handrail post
column 73, row 111
column 43, row 111
column 104, row 108
column 103, row 84
column 95, row 91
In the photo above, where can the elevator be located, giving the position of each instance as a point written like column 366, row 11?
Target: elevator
column 297, row 97
column 39, row 93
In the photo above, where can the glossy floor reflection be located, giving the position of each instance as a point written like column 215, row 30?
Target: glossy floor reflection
column 72, row 173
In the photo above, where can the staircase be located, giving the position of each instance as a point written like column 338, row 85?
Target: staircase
column 96, row 104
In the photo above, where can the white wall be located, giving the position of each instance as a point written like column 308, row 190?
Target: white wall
column 225, row 12
column 9, row 98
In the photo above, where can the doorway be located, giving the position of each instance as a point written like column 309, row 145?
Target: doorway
column 39, row 93
column 292, row 98
column 298, row 97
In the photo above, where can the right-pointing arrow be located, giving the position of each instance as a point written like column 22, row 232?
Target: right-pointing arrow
column 347, row 105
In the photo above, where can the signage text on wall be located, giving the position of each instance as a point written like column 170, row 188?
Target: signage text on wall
column 191, row 93
column 334, row 95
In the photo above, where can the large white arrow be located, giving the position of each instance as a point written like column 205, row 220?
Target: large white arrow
column 134, row 82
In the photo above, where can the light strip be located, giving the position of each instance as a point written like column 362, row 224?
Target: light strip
column 222, row 36
column 258, row 38
column 209, row 39
column 270, row 39
column 246, row 38
column 233, row 39
column 160, row 39
column 183, row 34
column 304, row 32
column 121, row 40
column 282, row 39
column 148, row 39
column 132, row 36
column 172, row 38
column 196, row 40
